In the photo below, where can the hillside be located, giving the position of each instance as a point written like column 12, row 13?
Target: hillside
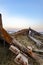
column 7, row 57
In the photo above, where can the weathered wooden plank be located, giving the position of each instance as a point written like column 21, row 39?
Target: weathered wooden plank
column 0, row 25
column 33, row 31
column 21, row 59
column 38, row 42
column 0, row 21
column 6, row 36
column 38, row 51
column 14, row 49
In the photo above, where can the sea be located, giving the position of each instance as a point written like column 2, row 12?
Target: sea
column 10, row 32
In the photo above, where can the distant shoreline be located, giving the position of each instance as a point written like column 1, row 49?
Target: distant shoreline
column 16, row 31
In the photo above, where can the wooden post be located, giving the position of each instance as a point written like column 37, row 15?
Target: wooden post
column 0, row 25
column 0, row 21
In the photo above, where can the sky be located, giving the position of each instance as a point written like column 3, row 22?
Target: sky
column 20, row 14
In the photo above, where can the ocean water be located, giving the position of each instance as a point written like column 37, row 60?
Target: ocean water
column 12, row 31
column 16, row 31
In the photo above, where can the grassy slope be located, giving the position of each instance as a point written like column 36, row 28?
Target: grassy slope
column 23, row 39
column 7, row 57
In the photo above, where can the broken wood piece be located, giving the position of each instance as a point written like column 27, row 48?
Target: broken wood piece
column 21, row 59
column 29, row 47
column 0, row 25
column 34, row 32
column 14, row 49
column 6, row 36
column 38, row 42
column 0, row 21
column 38, row 51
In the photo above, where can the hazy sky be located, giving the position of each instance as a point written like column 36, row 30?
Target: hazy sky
column 22, row 14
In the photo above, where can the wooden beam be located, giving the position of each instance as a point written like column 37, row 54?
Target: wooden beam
column 37, row 42
column 0, row 21
column 37, row 33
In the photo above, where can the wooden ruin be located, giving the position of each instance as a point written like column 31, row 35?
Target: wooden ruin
column 16, row 47
column 1, row 38
column 31, row 34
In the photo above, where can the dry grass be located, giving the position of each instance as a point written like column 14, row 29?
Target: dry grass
column 7, row 57
column 23, row 39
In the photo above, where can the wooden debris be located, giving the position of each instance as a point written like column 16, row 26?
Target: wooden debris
column 38, row 42
column 34, row 32
column 14, row 49
column 0, row 21
column 21, row 59
column 38, row 51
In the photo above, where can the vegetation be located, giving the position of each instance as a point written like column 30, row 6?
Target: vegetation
column 7, row 57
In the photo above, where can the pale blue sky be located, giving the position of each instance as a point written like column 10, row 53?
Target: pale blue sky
column 22, row 13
